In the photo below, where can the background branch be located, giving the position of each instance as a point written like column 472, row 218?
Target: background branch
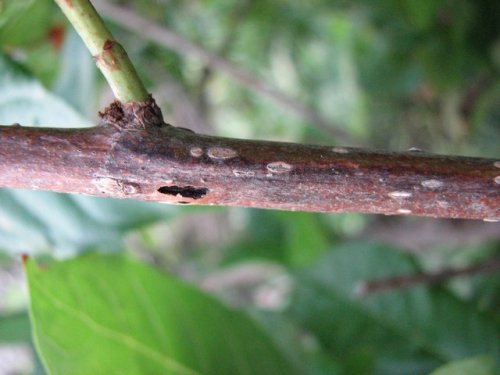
column 402, row 282
column 235, row 18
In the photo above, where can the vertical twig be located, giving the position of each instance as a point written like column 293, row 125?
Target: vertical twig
column 109, row 55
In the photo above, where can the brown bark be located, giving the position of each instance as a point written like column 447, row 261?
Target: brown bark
column 135, row 155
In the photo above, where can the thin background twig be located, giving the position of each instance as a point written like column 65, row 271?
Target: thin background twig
column 372, row 287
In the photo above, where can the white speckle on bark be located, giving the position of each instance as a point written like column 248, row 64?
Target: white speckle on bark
column 279, row 167
column 221, row 153
column 400, row 194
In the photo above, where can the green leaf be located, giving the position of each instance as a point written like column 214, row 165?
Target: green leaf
column 12, row 10
column 24, row 21
column 77, row 69
column 15, row 328
column 38, row 221
column 289, row 238
column 304, row 354
column 305, row 237
column 419, row 328
column 260, row 241
column 23, row 100
column 421, row 14
column 482, row 365
column 108, row 315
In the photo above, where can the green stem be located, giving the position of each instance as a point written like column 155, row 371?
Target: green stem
column 109, row 55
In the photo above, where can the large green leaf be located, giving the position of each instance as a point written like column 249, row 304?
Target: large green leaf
column 399, row 332
column 108, row 315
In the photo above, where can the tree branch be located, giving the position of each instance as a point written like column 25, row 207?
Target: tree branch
column 162, row 163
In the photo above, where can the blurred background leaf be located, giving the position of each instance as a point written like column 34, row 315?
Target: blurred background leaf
column 15, row 328
column 25, row 101
column 76, row 78
column 418, row 327
column 478, row 365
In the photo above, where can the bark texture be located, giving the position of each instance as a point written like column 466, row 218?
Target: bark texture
column 134, row 154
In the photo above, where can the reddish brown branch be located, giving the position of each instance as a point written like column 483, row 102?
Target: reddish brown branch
column 140, row 157
column 408, row 281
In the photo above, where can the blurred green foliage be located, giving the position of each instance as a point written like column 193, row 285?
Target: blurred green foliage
column 392, row 74
column 476, row 365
